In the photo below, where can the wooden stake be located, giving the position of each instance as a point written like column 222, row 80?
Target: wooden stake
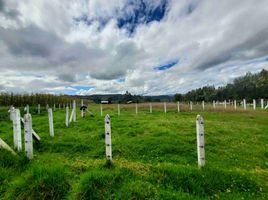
column 200, row 141
column 50, row 120
column 108, row 138
column 28, row 137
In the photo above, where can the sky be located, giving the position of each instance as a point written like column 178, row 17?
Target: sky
column 146, row 47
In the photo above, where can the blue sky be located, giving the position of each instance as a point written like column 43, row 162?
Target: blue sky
column 148, row 47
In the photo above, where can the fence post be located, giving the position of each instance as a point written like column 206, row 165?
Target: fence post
column 262, row 103
column 235, row 104
column 191, row 105
column 245, row 104
column 47, row 107
column 27, row 109
column 17, row 130
column 101, row 109
column 74, row 109
column 136, row 108
column 28, row 137
column 38, row 109
column 151, row 108
column 254, row 104
column 178, row 106
column 165, row 107
column 50, row 120
column 118, row 109
column 54, row 107
column 214, row 104
column 82, row 111
column 108, row 138
column 203, row 105
column 225, row 104
column 200, row 141
column 67, row 116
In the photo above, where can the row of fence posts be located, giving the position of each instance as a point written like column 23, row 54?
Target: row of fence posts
column 244, row 104
column 29, row 132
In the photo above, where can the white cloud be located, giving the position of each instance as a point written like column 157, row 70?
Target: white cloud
column 66, row 43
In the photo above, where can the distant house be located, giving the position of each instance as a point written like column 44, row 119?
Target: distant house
column 105, row 102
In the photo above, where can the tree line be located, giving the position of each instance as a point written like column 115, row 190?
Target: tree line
column 18, row 100
column 251, row 86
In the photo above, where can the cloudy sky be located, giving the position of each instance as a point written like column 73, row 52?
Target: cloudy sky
column 147, row 47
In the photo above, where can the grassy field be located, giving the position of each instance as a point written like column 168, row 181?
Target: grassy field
column 154, row 156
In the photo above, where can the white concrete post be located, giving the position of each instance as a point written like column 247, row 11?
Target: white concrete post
column 108, row 138
column 17, row 130
column 50, row 120
column 118, row 109
column 165, row 107
column 74, row 109
column 178, row 106
column 59, row 106
column 101, row 113
column 38, row 109
column 235, row 104
column 67, row 116
column 151, row 108
column 244, row 104
column 262, row 103
column 28, row 136
column 203, row 105
column 254, row 104
column 200, row 141
column 191, row 105
column 27, row 109
column 214, row 104
column 11, row 113
column 225, row 104
column 82, row 111
column 54, row 107
column 136, row 108
column 47, row 107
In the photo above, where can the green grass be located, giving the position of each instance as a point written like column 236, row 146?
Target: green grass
column 154, row 157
